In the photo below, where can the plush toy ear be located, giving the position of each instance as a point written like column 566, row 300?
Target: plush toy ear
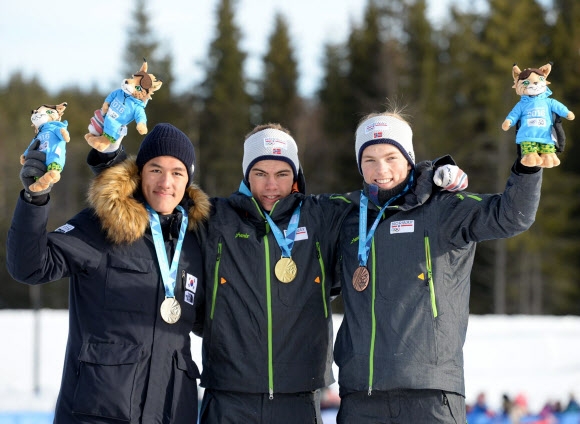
column 144, row 66
column 156, row 83
column 546, row 69
column 61, row 107
column 516, row 73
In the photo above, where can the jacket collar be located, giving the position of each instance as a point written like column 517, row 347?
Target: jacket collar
column 282, row 210
column 418, row 194
column 115, row 196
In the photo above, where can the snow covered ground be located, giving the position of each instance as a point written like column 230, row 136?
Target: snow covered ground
column 535, row 355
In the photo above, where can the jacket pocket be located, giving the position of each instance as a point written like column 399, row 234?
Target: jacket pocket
column 131, row 284
column 186, row 364
column 106, row 379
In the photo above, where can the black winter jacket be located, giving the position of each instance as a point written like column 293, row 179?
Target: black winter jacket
column 262, row 335
column 406, row 330
column 123, row 363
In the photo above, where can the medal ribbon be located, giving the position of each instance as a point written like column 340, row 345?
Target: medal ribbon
column 168, row 274
column 365, row 239
column 286, row 242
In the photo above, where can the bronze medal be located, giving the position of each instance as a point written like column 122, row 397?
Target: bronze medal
column 285, row 270
column 170, row 310
column 360, row 278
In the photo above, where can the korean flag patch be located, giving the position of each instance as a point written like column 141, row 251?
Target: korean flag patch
column 191, row 283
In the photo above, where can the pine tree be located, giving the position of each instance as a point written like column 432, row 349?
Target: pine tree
column 225, row 114
column 336, row 122
column 367, row 85
column 279, row 98
column 367, row 76
column 422, row 80
column 462, row 124
column 564, row 47
column 142, row 45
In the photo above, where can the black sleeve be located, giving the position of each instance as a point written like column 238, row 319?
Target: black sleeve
column 98, row 161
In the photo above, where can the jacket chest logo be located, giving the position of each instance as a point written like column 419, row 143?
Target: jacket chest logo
column 301, row 234
column 398, row 227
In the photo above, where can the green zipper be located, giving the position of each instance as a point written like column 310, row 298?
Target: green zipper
column 215, row 279
column 269, row 306
column 323, row 282
column 268, row 300
column 373, row 319
column 430, row 276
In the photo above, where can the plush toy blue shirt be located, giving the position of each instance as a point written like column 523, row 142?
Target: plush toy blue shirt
column 535, row 116
column 123, row 108
column 52, row 142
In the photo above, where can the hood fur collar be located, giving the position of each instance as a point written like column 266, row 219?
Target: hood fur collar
column 124, row 218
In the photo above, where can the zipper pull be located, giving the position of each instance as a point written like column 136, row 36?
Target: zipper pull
column 271, row 395
column 370, row 391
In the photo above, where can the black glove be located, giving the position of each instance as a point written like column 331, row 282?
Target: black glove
column 34, row 167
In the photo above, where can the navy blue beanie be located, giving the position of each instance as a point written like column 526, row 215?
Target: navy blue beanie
column 167, row 140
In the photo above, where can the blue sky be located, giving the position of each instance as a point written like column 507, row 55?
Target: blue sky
column 80, row 43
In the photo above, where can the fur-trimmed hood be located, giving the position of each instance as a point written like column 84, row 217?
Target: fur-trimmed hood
column 123, row 217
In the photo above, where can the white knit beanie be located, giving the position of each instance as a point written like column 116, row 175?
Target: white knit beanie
column 270, row 144
column 385, row 129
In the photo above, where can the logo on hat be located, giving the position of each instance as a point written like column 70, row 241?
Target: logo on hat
column 378, row 134
column 371, row 127
column 276, row 151
column 275, row 142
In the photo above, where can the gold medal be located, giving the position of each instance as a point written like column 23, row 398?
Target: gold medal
column 285, row 270
column 360, row 278
column 170, row 310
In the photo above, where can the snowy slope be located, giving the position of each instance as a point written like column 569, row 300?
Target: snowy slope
column 539, row 356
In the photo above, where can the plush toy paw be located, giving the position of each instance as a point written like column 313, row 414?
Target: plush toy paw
column 99, row 143
column 549, row 160
column 65, row 134
column 141, row 128
column 45, row 181
column 531, row 160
